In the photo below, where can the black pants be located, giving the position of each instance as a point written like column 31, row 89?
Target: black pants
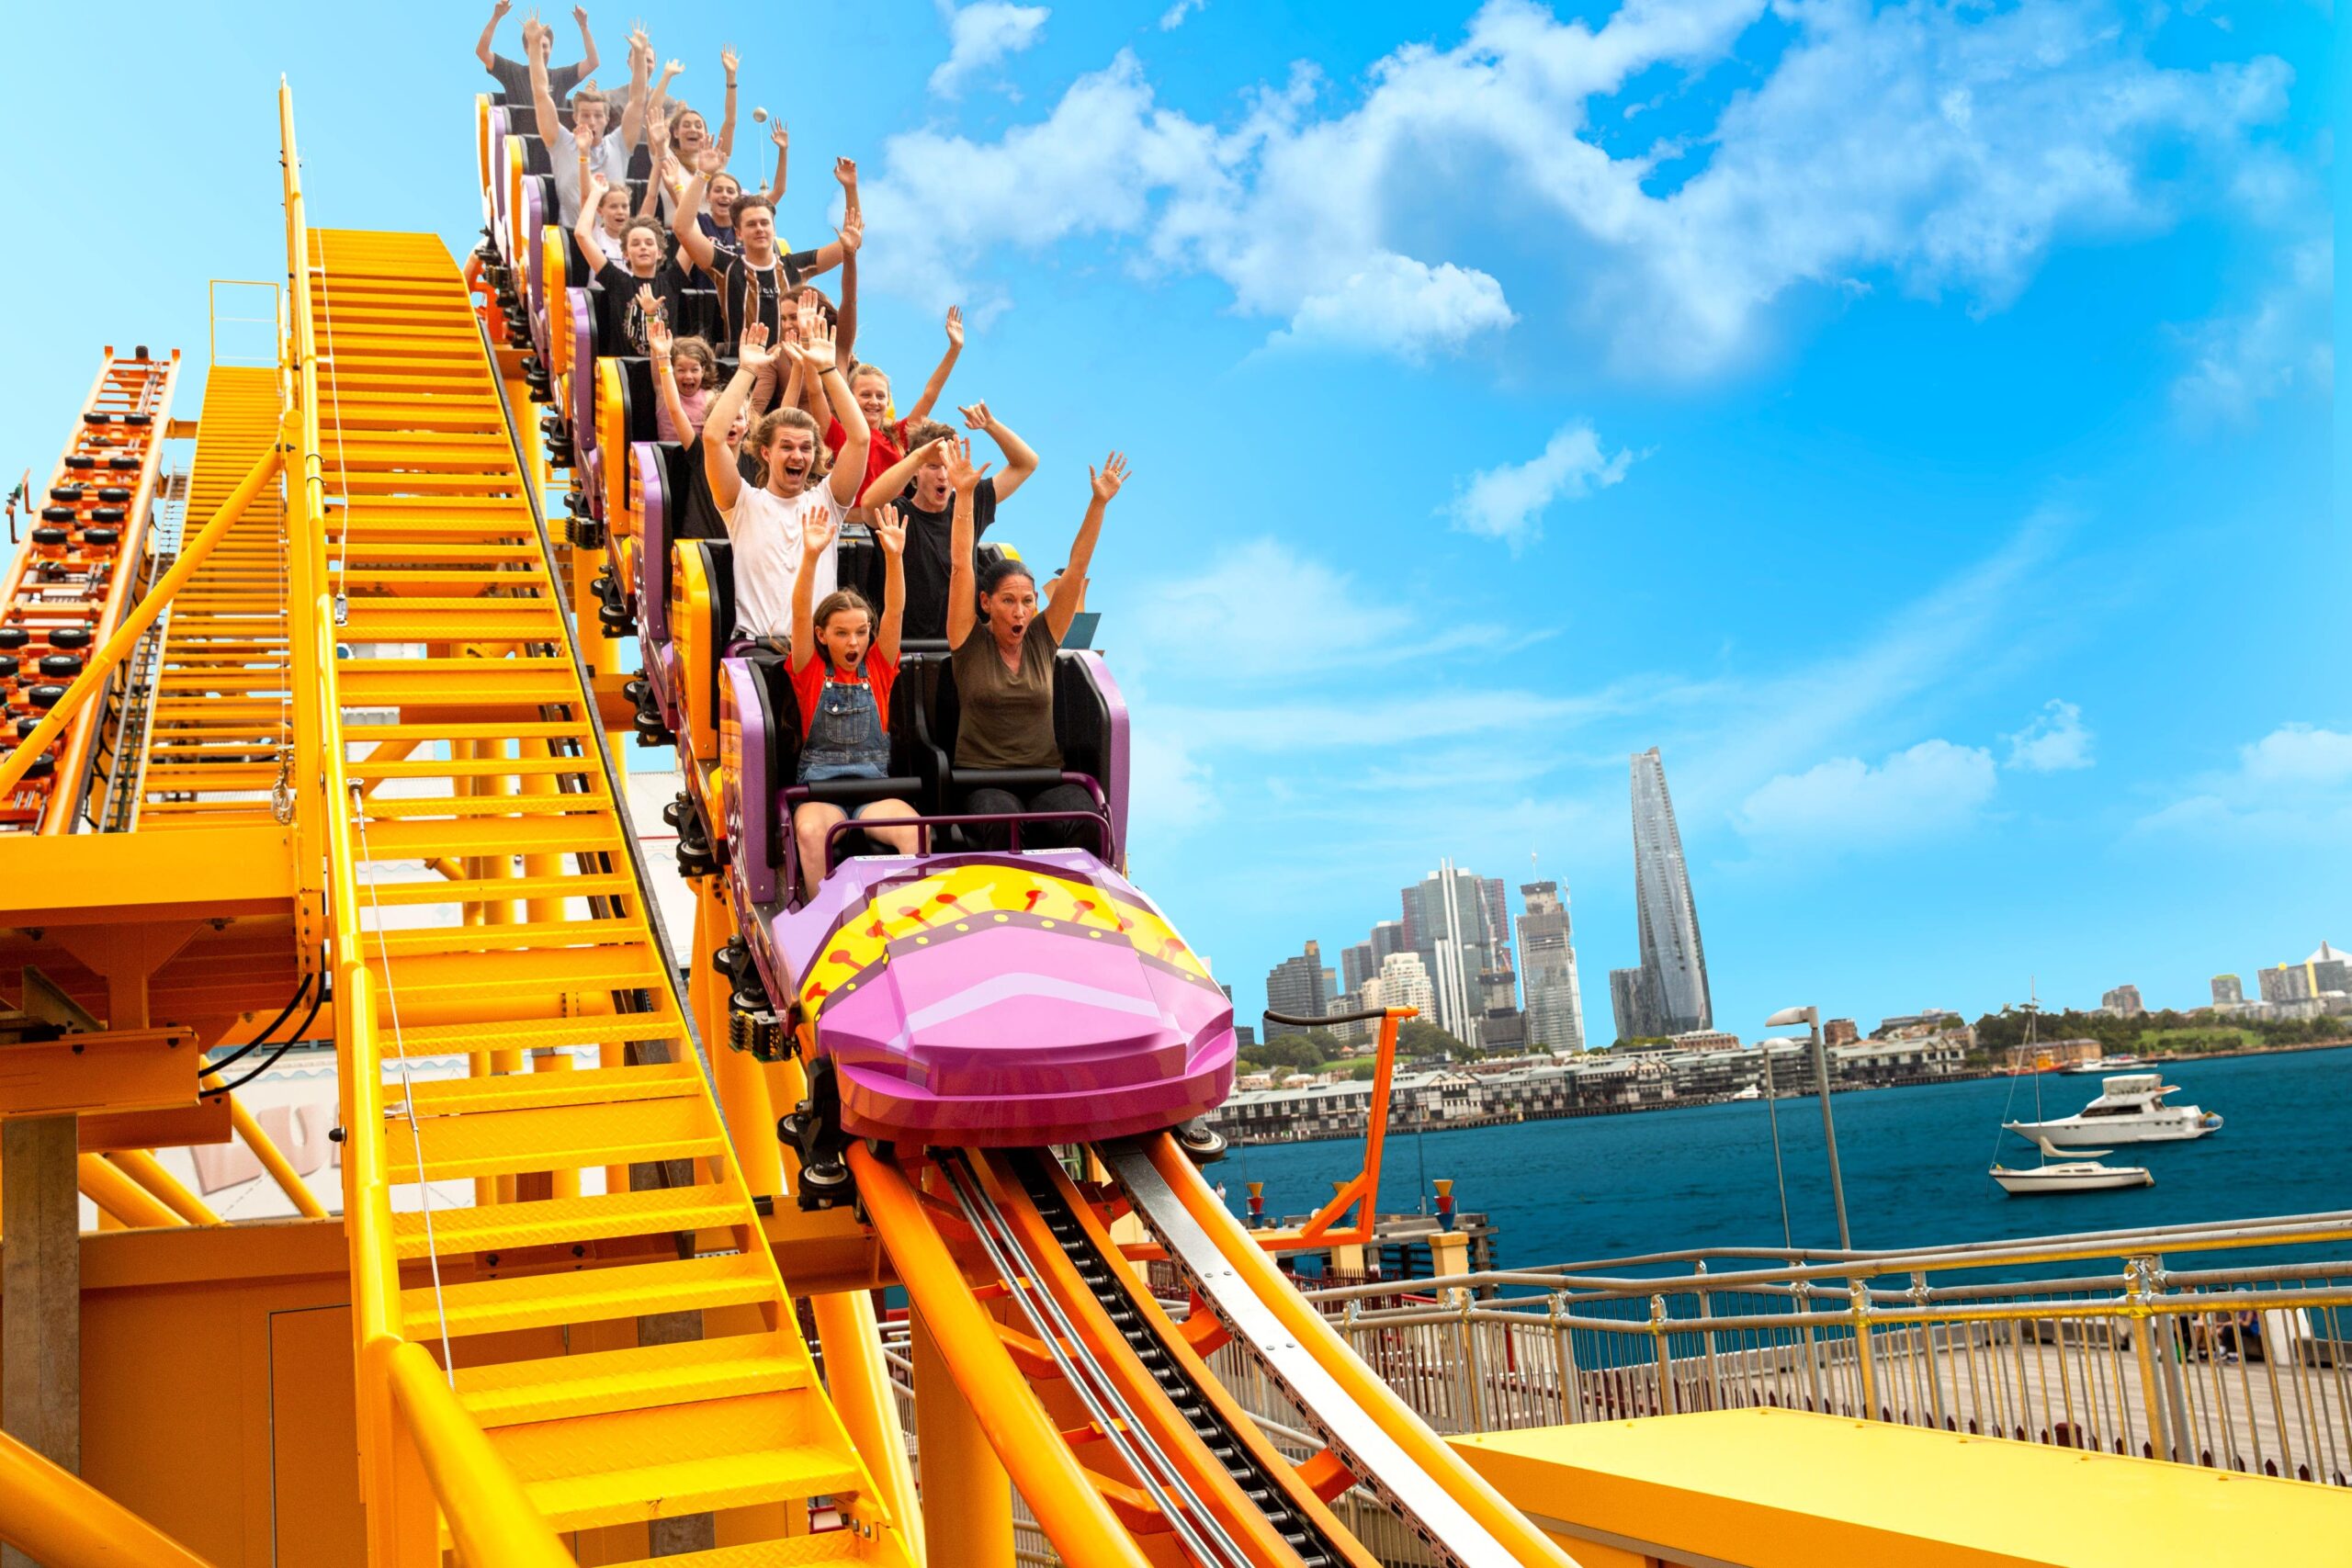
column 1062, row 835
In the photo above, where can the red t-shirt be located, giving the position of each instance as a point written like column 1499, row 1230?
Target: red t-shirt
column 877, row 672
column 883, row 449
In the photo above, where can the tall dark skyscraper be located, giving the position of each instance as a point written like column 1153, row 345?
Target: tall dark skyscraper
column 1299, row 986
column 1674, row 965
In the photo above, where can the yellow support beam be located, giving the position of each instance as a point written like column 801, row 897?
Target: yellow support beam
column 62, row 1520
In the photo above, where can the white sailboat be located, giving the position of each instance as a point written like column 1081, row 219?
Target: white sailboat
column 2077, row 1170
column 2056, row 1173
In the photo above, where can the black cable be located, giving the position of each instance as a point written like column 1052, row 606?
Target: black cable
column 275, row 1024
column 232, row 1088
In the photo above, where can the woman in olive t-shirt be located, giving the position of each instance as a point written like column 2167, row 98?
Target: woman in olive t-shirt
column 1004, row 664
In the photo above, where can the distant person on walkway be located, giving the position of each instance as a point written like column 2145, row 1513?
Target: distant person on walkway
column 514, row 75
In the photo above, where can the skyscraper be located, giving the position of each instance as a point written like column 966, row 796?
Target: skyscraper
column 2229, row 991
column 1632, row 1006
column 1547, row 978
column 1295, row 987
column 1401, row 983
column 1673, row 963
column 1445, row 924
column 1357, row 964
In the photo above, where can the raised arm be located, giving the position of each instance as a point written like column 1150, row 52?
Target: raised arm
column 890, row 532
column 718, row 462
column 849, row 463
column 1019, row 462
column 1105, row 483
column 535, row 50
column 962, row 584
column 660, row 94
column 698, row 246
column 892, row 481
column 583, row 229
column 640, row 70
column 783, row 139
column 657, row 141
column 588, row 60
column 730, row 60
column 658, row 342
column 482, row 51
column 938, row 382
column 853, row 236
column 815, row 534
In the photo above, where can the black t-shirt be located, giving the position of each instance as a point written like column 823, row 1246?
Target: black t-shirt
column 929, row 561
column 620, row 323
column 515, row 81
column 748, row 294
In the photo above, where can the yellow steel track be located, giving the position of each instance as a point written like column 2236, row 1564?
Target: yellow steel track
column 582, row 1213
column 223, row 722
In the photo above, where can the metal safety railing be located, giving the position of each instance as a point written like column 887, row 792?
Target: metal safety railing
column 2156, row 1343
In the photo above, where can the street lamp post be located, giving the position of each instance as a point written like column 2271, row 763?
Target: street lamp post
column 1811, row 1018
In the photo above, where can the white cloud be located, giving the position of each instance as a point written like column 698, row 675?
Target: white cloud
column 2298, row 756
column 1509, row 503
column 2282, row 345
column 1947, row 147
column 2295, row 782
column 1329, row 621
column 979, row 34
column 2054, row 743
column 1934, row 787
column 1173, row 18
column 1399, row 306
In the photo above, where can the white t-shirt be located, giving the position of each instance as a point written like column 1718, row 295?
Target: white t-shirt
column 610, row 243
column 765, row 529
column 607, row 158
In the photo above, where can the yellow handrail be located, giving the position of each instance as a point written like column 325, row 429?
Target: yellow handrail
column 490, row 1515
column 59, row 1518
column 134, row 626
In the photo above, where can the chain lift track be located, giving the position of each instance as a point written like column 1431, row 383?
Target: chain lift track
column 83, row 566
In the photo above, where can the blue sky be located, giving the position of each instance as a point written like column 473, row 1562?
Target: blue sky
column 1916, row 420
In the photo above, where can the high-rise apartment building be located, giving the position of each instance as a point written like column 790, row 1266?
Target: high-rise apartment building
column 1403, row 982
column 2123, row 1002
column 1295, row 987
column 2329, row 970
column 1547, row 955
column 1446, row 924
column 1672, row 958
column 1357, row 964
column 2229, row 991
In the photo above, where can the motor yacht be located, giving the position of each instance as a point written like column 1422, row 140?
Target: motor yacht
column 2130, row 1109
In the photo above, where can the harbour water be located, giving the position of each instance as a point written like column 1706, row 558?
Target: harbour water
column 1914, row 1162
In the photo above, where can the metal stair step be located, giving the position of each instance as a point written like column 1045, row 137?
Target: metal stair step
column 537, row 1090
column 528, row 1034
column 602, row 1382
column 558, row 1222
column 552, row 1137
column 787, row 1551
column 586, row 1295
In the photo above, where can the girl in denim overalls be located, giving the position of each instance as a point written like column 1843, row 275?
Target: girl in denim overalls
column 843, row 686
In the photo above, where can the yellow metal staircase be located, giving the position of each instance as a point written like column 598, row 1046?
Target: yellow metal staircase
column 571, row 1201
column 222, row 724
